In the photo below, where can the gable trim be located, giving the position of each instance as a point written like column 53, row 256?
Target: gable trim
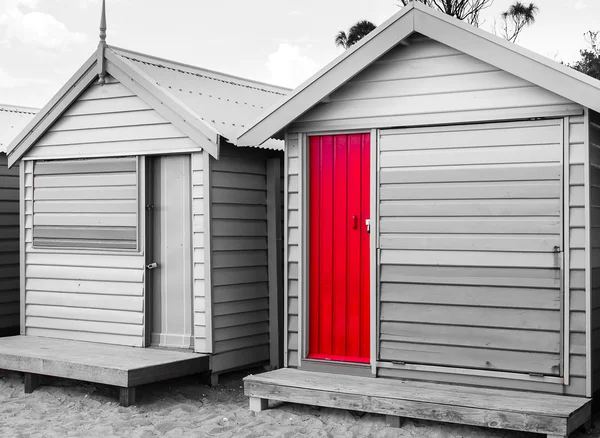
column 520, row 62
column 334, row 75
column 176, row 111
column 163, row 109
column 53, row 110
column 511, row 58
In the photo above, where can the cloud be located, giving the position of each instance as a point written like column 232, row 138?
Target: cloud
column 9, row 81
column 289, row 67
column 35, row 28
column 580, row 4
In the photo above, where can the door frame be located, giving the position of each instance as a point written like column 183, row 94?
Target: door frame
column 303, row 274
column 304, row 262
column 148, row 236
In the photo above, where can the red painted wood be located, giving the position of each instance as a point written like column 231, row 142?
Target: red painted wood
column 327, row 246
column 365, row 247
column 354, row 284
column 340, row 233
column 315, row 204
column 339, row 178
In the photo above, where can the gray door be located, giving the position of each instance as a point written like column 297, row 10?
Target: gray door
column 171, row 296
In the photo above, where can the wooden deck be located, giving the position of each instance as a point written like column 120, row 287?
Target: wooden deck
column 553, row 415
column 125, row 367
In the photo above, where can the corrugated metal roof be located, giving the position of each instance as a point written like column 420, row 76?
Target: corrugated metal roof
column 12, row 120
column 226, row 102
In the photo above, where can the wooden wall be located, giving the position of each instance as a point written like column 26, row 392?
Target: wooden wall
column 110, row 120
column 201, row 306
column 76, row 294
column 292, row 233
column 428, row 83
column 9, row 248
column 98, row 296
column 240, row 288
column 594, row 138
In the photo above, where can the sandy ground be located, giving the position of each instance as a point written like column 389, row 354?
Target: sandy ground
column 187, row 408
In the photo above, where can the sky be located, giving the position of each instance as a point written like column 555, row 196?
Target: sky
column 44, row 42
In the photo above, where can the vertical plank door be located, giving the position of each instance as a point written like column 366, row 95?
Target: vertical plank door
column 339, row 201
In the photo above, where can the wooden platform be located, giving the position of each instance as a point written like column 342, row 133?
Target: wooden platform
column 553, row 415
column 125, row 367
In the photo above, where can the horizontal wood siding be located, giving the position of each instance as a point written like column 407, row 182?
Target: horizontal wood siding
column 201, row 323
column 86, row 204
column 110, row 120
column 9, row 248
column 292, row 241
column 70, row 294
column 594, row 139
column 239, row 260
column 429, row 83
column 469, row 273
column 577, row 247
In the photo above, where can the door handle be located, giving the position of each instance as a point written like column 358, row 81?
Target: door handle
column 152, row 266
column 368, row 224
column 354, row 222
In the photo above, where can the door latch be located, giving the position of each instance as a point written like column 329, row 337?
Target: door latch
column 368, row 224
column 152, row 266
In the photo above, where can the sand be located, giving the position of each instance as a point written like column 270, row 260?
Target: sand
column 188, row 408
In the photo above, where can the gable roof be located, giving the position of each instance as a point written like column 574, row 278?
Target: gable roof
column 204, row 104
column 418, row 18
column 12, row 120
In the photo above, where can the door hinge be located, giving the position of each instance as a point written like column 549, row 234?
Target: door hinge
column 150, row 207
column 368, row 224
column 151, row 266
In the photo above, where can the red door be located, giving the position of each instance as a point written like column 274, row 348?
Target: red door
column 339, row 248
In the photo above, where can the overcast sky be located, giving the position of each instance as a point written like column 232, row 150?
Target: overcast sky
column 43, row 42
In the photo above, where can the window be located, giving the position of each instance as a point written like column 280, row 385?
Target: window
column 86, row 204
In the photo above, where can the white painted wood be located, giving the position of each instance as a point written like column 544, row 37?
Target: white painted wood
column 239, row 182
column 471, row 231
column 172, row 319
column 53, row 110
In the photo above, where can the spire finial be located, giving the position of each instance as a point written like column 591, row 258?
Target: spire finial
column 103, row 23
column 102, row 47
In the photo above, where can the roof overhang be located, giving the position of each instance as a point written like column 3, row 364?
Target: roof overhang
column 161, row 100
column 418, row 18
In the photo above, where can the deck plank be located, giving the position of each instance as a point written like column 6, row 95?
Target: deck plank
column 98, row 363
column 503, row 409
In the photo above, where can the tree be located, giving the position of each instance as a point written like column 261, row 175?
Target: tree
column 516, row 18
column 590, row 58
column 355, row 34
column 466, row 10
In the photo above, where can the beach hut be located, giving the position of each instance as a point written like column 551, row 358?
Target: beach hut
column 441, row 246
column 12, row 120
column 144, row 226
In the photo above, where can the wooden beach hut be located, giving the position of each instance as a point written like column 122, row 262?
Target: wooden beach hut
column 441, row 235
column 12, row 120
column 144, row 226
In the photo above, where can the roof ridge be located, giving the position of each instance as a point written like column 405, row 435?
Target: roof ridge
column 17, row 109
column 131, row 56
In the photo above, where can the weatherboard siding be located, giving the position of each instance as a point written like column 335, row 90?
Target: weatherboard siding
column 76, row 294
column 594, row 140
column 110, row 120
column 292, row 242
column 239, row 259
column 202, row 321
column 403, row 83
column 9, row 248
column 427, row 83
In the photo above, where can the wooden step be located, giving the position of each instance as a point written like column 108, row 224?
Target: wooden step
column 549, row 414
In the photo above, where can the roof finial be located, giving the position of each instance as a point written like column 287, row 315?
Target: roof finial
column 102, row 47
column 103, row 23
